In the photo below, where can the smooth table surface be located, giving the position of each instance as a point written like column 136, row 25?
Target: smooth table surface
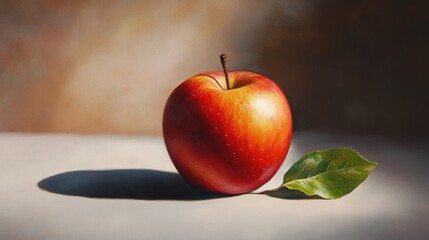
column 125, row 187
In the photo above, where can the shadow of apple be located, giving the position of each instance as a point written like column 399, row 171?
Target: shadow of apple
column 142, row 184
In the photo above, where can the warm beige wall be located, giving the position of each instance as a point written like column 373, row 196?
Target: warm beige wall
column 108, row 66
column 97, row 67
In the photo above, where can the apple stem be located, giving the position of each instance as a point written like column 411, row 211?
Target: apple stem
column 224, row 63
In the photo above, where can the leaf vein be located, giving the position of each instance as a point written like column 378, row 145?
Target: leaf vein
column 315, row 167
column 303, row 168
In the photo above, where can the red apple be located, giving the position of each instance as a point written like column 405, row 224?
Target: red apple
column 227, row 132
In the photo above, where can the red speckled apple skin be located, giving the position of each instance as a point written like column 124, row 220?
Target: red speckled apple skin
column 228, row 141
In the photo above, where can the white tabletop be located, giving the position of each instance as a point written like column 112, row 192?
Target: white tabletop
column 113, row 178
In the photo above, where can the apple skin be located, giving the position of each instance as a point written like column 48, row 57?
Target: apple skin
column 228, row 141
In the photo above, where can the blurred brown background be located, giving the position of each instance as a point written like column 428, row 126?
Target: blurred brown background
column 109, row 66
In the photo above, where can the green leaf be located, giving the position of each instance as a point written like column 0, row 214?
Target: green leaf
column 329, row 174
